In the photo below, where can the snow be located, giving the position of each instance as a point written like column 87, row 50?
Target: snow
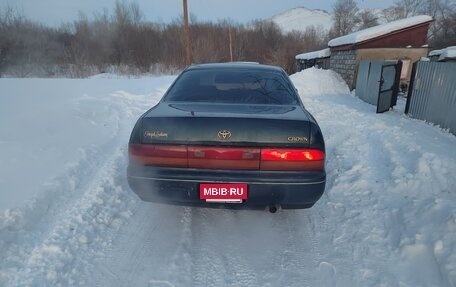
column 387, row 218
column 47, row 131
column 448, row 53
column 435, row 53
column 298, row 19
column 315, row 54
column 380, row 30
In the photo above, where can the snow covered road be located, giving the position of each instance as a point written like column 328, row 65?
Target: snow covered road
column 387, row 218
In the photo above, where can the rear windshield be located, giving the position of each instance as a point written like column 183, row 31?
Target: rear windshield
column 234, row 87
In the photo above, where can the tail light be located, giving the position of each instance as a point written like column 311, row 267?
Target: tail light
column 234, row 158
column 292, row 159
column 159, row 155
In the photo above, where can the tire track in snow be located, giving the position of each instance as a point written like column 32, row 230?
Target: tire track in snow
column 372, row 192
column 96, row 184
column 238, row 271
column 147, row 250
column 181, row 259
column 253, row 248
column 292, row 260
column 207, row 267
column 41, row 215
column 361, row 173
column 216, row 256
column 83, row 231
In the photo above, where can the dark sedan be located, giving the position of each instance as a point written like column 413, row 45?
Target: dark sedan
column 228, row 134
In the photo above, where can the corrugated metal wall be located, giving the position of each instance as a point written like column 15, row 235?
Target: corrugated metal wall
column 433, row 94
column 368, row 81
column 375, row 79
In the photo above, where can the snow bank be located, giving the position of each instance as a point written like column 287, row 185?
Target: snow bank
column 435, row 53
column 62, row 149
column 323, row 82
column 448, row 53
column 47, row 125
column 379, row 30
column 390, row 178
column 315, row 54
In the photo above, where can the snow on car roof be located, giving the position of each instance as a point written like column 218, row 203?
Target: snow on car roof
column 379, row 30
column 315, row 54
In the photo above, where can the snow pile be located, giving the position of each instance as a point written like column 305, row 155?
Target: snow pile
column 47, row 125
column 63, row 145
column 298, row 19
column 380, row 30
column 435, row 53
column 315, row 54
column 324, row 82
column 387, row 218
column 392, row 179
column 448, row 53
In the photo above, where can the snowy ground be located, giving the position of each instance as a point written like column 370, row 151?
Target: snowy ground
column 67, row 217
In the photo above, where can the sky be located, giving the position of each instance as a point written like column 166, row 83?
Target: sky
column 56, row 12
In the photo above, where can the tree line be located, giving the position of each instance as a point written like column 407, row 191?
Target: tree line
column 122, row 41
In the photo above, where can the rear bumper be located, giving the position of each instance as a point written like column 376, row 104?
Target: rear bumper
column 181, row 186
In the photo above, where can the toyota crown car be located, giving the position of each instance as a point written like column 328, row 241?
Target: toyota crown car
column 228, row 134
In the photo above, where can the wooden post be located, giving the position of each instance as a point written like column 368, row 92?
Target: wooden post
column 188, row 52
column 231, row 44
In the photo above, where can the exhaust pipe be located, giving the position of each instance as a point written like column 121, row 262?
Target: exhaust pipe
column 273, row 208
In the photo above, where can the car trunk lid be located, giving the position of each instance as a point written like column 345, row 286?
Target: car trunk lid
column 226, row 125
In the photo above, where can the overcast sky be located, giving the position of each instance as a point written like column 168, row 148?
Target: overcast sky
column 55, row 12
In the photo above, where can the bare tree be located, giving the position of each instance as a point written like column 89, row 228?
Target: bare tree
column 122, row 40
column 408, row 8
column 345, row 17
column 367, row 19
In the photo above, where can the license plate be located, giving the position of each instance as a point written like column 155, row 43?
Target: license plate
column 223, row 192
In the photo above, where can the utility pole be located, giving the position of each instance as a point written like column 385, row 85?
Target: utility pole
column 188, row 52
column 231, row 44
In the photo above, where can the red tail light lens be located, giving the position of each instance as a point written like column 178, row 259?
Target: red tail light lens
column 292, row 154
column 237, row 158
column 159, row 155
column 292, row 159
column 230, row 158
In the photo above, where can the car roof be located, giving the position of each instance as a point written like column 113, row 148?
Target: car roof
column 235, row 66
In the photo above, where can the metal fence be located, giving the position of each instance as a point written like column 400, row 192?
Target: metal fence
column 432, row 94
column 378, row 83
column 365, row 89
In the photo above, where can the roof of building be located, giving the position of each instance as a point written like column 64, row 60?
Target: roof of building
column 380, row 30
column 314, row 55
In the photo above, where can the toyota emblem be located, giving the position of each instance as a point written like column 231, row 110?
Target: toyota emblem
column 224, row 134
